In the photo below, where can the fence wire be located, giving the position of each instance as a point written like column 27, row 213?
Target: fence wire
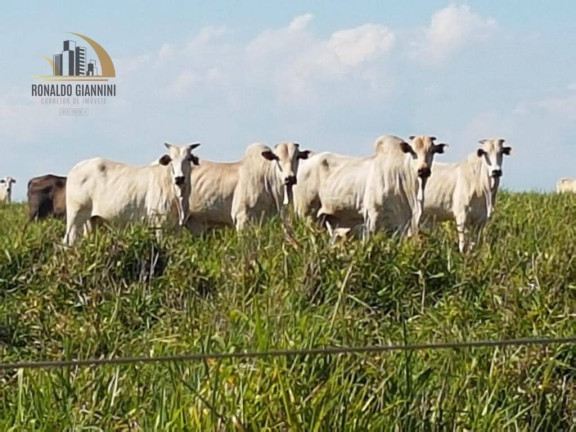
column 324, row 351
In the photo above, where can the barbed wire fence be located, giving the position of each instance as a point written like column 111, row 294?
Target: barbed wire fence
column 315, row 352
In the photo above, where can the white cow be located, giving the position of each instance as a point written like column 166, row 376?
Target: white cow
column 233, row 194
column 312, row 174
column 566, row 185
column 119, row 193
column 466, row 191
column 6, row 189
column 383, row 191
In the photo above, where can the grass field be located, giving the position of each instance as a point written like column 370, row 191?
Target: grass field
column 123, row 293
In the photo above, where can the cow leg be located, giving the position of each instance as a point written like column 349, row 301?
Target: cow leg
column 240, row 220
column 94, row 223
column 331, row 226
column 462, row 236
column 77, row 222
column 33, row 216
column 159, row 234
column 365, row 232
column 157, row 223
column 476, row 234
column 33, row 209
column 321, row 220
column 331, row 230
column 372, row 222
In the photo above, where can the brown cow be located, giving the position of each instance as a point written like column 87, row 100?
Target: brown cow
column 47, row 197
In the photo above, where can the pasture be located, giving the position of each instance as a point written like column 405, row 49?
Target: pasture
column 125, row 293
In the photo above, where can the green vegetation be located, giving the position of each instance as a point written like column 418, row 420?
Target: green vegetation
column 124, row 293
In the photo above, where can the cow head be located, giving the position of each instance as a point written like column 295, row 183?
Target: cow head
column 180, row 160
column 422, row 150
column 6, row 187
column 492, row 152
column 287, row 157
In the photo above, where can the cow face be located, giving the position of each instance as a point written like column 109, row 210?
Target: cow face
column 492, row 152
column 287, row 157
column 180, row 160
column 6, row 186
column 423, row 149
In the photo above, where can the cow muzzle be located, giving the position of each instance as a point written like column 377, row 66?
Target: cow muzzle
column 290, row 181
column 497, row 173
column 179, row 181
column 424, row 172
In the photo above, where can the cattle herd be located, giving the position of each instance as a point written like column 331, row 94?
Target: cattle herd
column 396, row 190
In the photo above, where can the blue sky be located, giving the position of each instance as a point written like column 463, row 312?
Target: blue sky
column 332, row 76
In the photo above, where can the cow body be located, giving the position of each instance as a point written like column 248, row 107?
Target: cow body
column 6, row 189
column 234, row 194
column 566, row 185
column 118, row 193
column 311, row 177
column 47, row 197
column 465, row 192
column 213, row 186
column 383, row 191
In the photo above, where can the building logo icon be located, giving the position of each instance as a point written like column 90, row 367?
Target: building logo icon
column 72, row 63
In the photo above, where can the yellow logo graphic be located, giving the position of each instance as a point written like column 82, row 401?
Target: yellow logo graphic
column 72, row 63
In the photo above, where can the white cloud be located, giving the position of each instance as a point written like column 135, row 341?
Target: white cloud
column 300, row 22
column 290, row 63
column 166, row 51
column 291, row 39
column 354, row 46
column 450, row 30
column 209, row 34
column 297, row 63
column 562, row 106
column 183, row 83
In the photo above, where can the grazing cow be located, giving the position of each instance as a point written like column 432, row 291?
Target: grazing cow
column 566, row 185
column 47, row 197
column 120, row 193
column 6, row 189
column 466, row 191
column 233, row 194
column 383, row 191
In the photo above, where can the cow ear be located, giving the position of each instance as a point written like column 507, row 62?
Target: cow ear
column 482, row 141
column 194, row 160
column 480, row 152
column 193, row 146
column 433, row 138
column 507, row 150
column 2, row 181
column 412, row 137
column 165, row 160
column 406, row 148
column 439, row 148
column 168, row 145
column 304, row 154
column 13, row 181
column 270, row 155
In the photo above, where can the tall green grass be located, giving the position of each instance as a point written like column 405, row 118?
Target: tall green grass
column 125, row 293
